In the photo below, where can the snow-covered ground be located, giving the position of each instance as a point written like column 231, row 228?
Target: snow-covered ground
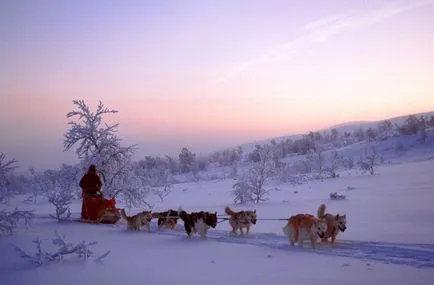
column 389, row 239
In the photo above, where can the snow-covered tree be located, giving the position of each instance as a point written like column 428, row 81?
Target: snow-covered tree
column 242, row 192
column 253, row 183
column 97, row 143
column 234, row 170
column 370, row 159
column 156, row 176
column 333, row 161
column 423, row 137
column 316, row 158
column 186, row 160
column 335, row 135
column 386, row 128
column 9, row 218
column 347, row 162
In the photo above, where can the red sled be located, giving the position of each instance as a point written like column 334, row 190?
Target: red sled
column 96, row 209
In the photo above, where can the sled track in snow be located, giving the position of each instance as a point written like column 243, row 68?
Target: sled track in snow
column 414, row 255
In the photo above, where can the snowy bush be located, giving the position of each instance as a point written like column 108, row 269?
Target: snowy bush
column 57, row 187
column 61, row 200
column 157, row 177
column 369, row 161
column 250, row 187
column 332, row 164
column 242, row 192
column 187, row 160
column 347, row 162
column 9, row 218
column 316, row 158
column 163, row 191
column 42, row 257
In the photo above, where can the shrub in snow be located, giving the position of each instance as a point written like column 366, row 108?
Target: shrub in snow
column 57, row 187
column 348, row 162
column 242, row 192
column 332, row 164
column 61, row 200
column 250, row 187
column 234, row 170
column 423, row 137
column 369, row 160
column 158, row 178
column 336, row 196
column 9, row 218
column 42, row 257
column 163, row 191
column 316, row 158
column 187, row 160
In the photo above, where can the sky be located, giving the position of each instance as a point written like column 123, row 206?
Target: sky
column 207, row 74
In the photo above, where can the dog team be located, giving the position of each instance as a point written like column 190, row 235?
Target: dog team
column 299, row 227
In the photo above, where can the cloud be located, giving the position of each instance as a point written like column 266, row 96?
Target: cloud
column 328, row 27
column 319, row 31
column 277, row 53
column 324, row 22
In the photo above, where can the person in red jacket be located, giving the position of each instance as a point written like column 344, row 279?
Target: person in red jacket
column 91, row 185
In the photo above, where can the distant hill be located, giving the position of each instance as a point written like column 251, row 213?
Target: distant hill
column 343, row 127
column 351, row 126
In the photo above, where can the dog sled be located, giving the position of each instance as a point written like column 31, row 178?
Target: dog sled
column 98, row 210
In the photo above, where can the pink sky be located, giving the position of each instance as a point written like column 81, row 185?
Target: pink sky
column 208, row 75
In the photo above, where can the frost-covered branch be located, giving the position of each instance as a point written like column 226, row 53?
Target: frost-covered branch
column 64, row 248
column 9, row 219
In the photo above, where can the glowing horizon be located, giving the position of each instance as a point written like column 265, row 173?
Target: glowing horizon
column 205, row 74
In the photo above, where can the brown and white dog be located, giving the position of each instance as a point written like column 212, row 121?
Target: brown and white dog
column 199, row 222
column 241, row 219
column 335, row 223
column 167, row 219
column 303, row 226
column 140, row 219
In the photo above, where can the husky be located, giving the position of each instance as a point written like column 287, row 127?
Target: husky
column 140, row 219
column 303, row 226
column 241, row 219
column 335, row 223
column 167, row 219
column 199, row 222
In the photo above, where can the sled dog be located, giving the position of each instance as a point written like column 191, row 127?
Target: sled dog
column 241, row 219
column 167, row 219
column 199, row 222
column 303, row 226
column 140, row 219
column 335, row 223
